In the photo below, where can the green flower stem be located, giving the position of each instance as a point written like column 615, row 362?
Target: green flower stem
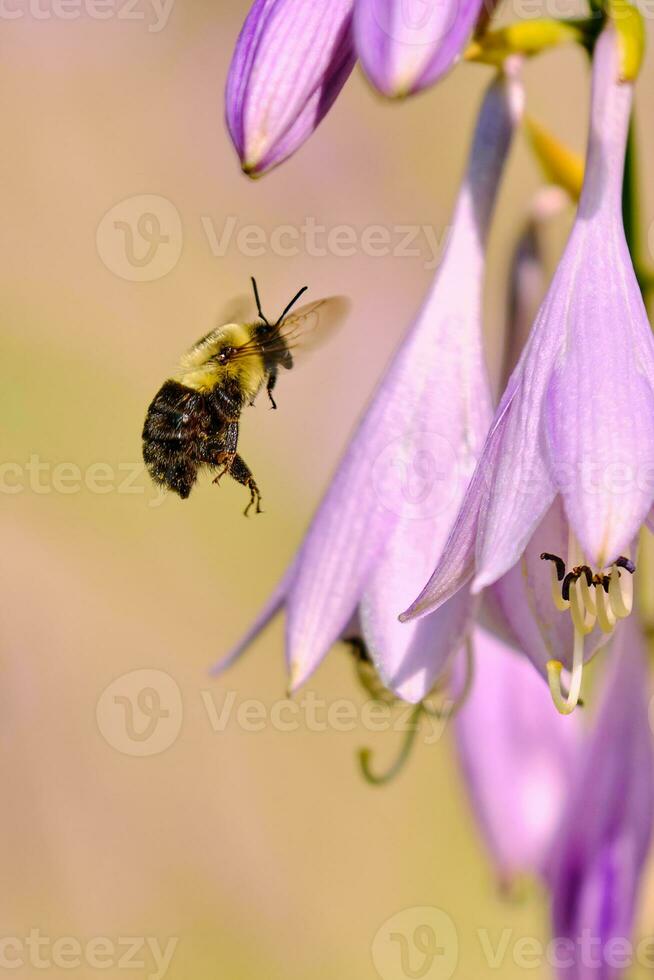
column 405, row 751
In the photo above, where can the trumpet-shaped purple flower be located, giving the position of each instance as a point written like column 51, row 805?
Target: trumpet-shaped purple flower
column 599, row 851
column 391, row 502
column 293, row 57
column 291, row 60
column 406, row 46
column 573, row 805
column 517, row 757
column 577, row 417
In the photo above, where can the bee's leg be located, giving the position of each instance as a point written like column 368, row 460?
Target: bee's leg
column 227, row 452
column 241, row 472
column 272, row 381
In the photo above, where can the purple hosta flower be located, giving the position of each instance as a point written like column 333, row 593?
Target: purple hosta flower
column 527, row 279
column 576, row 422
column 387, row 512
column 293, row 57
column 291, row 60
column 599, row 851
column 517, row 757
column 406, row 45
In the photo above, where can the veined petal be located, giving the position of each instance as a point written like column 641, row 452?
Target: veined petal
column 520, row 488
column 516, row 754
column 410, row 657
column 406, row 45
column 290, row 62
column 600, row 405
column 601, row 846
column 420, row 435
column 509, row 493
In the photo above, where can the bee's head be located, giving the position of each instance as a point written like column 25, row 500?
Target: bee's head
column 218, row 357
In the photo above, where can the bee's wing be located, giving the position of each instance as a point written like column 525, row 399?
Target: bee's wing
column 240, row 309
column 306, row 327
column 314, row 322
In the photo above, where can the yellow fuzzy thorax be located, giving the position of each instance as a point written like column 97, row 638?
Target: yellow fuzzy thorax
column 200, row 370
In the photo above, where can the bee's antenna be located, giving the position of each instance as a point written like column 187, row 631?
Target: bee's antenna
column 258, row 301
column 291, row 304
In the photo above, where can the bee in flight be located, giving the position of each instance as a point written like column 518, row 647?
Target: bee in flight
column 194, row 418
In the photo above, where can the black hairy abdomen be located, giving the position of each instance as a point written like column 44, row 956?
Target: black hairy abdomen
column 177, row 436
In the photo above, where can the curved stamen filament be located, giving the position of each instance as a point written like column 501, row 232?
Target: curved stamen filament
column 560, row 603
column 565, row 704
column 587, row 596
column 605, row 615
column 583, row 620
column 557, row 572
column 621, row 593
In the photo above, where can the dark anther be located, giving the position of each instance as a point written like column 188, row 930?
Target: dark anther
column 567, row 581
column 623, row 562
column 560, row 564
column 586, row 571
column 602, row 580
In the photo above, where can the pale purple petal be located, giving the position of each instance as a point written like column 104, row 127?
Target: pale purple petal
column 507, row 497
column 410, row 657
column 406, row 46
column 602, row 843
column 517, row 754
column 269, row 611
column 426, row 423
column 290, row 62
column 528, row 278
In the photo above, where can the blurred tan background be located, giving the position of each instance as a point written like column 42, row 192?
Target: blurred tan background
column 262, row 852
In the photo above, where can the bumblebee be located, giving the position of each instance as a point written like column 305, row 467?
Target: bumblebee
column 193, row 420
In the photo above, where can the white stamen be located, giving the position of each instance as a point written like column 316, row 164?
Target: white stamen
column 566, row 704
column 588, row 605
column 621, row 592
column 582, row 619
column 560, row 603
column 587, row 596
column 605, row 615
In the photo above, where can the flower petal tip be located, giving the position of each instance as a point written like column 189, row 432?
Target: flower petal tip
column 415, row 611
column 250, row 170
column 296, row 678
